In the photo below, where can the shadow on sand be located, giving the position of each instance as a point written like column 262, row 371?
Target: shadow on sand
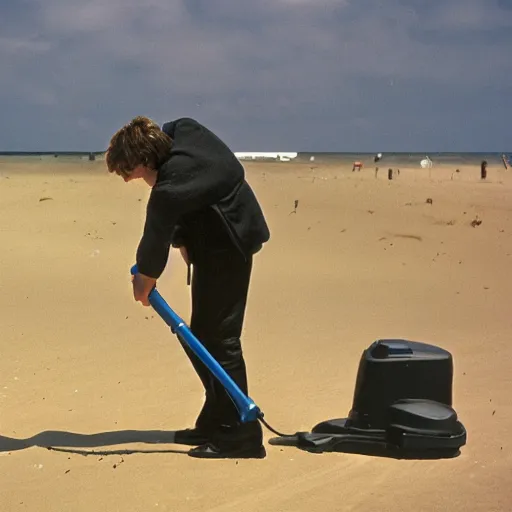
column 85, row 444
column 71, row 442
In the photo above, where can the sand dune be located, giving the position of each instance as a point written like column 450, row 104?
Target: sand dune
column 86, row 370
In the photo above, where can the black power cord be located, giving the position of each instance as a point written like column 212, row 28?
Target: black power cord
column 280, row 434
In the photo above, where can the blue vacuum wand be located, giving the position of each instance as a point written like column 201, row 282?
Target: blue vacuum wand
column 247, row 409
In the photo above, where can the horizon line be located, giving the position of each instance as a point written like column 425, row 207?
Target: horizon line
column 384, row 152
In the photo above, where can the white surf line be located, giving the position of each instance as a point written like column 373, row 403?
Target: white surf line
column 283, row 156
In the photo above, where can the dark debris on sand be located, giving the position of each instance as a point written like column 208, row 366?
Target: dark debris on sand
column 476, row 222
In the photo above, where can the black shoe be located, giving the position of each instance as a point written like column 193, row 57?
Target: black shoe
column 211, row 451
column 191, row 437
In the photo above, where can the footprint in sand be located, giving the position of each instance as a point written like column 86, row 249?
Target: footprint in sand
column 406, row 236
column 412, row 237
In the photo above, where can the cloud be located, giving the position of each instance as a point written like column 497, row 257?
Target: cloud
column 17, row 46
column 470, row 15
column 315, row 74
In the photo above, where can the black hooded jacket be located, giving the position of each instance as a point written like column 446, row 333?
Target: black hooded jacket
column 200, row 192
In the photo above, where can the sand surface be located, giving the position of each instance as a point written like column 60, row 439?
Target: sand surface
column 88, row 371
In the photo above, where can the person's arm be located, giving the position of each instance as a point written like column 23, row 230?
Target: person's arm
column 154, row 246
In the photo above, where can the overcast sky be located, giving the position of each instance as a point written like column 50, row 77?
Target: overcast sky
column 288, row 75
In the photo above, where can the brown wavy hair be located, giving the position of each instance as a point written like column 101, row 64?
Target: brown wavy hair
column 140, row 142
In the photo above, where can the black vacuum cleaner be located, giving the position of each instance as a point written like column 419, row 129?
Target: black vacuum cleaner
column 402, row 404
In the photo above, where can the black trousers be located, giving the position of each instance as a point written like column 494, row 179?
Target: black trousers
column 220, row 285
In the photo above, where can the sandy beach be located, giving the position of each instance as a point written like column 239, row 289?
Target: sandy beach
column 100, row 379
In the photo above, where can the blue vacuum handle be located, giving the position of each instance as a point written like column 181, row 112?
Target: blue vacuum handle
column 247, row 409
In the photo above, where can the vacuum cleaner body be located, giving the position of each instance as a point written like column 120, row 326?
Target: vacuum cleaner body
column 402, row 402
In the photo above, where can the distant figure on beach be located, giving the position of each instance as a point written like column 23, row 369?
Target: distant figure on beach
column 376, row 159
column 483, row 170
column 357, row 165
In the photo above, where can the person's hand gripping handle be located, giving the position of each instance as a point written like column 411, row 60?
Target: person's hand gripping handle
column 142, row 286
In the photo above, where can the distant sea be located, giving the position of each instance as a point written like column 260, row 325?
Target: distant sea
column 392, row 159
